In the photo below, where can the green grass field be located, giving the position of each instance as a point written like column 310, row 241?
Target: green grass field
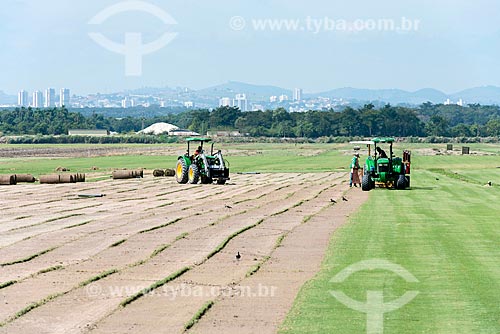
column 445, row 231
column 263, row 158
column 245, row 158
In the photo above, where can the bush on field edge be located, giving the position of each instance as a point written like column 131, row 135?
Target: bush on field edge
column 150, row 139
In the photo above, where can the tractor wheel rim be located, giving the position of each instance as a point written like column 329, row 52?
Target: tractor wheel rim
column 191, row 174
column 179, row 169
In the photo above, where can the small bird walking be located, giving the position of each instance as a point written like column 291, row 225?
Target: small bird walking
column 228, row 207
column 344, row 199
column 238, row 256
column 333, row 201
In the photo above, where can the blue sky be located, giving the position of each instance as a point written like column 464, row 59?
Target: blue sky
column 457, row 46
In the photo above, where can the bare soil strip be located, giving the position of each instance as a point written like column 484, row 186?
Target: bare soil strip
column 146, row 230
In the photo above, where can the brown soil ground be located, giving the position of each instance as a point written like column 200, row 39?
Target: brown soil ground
column 54, row 246
column 87, row 151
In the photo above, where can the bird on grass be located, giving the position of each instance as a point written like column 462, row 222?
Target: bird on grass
column 437, row 178
column 238, row 256
column 228, row 207
column 333, row 201
column 344, row 199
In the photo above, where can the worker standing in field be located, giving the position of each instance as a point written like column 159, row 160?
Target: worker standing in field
column 355, row 171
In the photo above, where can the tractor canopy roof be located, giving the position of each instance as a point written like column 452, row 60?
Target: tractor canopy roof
column 198, row 139
column 383, row 140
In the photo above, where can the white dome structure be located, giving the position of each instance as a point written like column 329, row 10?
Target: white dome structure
column 159, row 128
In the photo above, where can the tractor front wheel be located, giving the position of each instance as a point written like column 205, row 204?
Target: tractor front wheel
column 206, row 180
column 401, row 183
column 366, row 183
column 221, row 181
column 193, row 174
column 181, row 171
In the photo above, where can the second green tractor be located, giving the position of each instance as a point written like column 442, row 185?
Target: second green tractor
column 388, row 171
column 207, row 168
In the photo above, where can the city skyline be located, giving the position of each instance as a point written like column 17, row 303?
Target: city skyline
column 43, row 99
column 452, row 37
column 247, row 98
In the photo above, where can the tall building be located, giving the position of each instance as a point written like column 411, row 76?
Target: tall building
column 64, row 98
column 22, row 99
column 225, row 102
column 37, row 99
column 50, row 98
column 241, row 102
column 297, row 94
column 126, row 103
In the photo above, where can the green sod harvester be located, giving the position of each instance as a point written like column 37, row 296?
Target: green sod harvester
column 389, row 171
column 200, row 166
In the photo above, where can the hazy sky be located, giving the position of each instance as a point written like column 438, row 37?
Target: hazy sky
column 457, row 45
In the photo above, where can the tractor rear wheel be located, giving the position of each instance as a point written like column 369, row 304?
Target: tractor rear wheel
column 181, row 171
column 401, row 183
column 221, row 181
column 407, row 181
column 193, row 174
column 366, row 183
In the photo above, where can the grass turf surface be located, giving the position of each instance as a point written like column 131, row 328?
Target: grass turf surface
column 445, row 231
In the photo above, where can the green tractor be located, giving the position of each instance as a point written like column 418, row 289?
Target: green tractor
column 388, row 170
column 200, row 166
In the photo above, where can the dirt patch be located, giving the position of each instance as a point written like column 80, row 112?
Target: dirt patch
column 85, row 152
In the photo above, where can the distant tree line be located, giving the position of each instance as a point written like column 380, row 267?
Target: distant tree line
column 367, row 121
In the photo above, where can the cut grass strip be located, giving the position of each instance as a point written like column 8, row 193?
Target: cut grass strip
column 159, row 250
column 22, row 217
column 78, row 225
column 182, row 236
column 288, row 209
column 47, row 221
column 279, row 241
column 224, row 243
column 63, row 217
column 6, row 284
column 257, row 267
column 126, row 191
column 198, row 315
column 160, row 206
column 27, row 259
column 98, row 277
column 306, row 219
column 31, row 307
column 164, row 205
column 81, row 208
column 118, row 243
column 160, row 226
column 260, row 196
column 132, row 199
column 48, row 270
column 154, row 286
